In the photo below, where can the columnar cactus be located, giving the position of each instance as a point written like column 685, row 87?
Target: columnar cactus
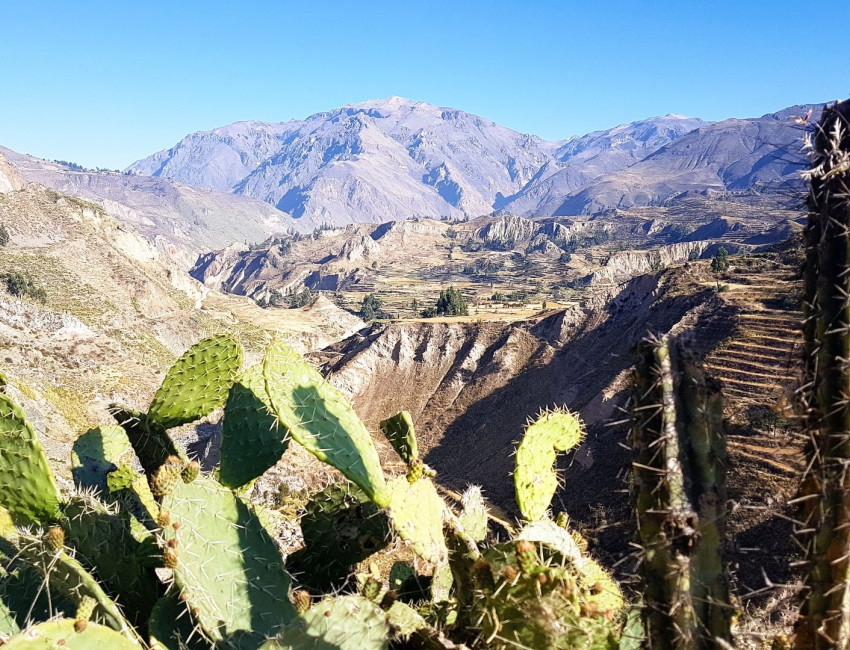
column 679, row 497
column 825, row 620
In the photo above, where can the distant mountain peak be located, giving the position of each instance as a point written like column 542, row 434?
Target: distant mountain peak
column 394, row 158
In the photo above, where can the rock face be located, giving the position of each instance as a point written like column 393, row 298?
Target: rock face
column 10, row 179
column 625, row 265
column 394, row 159
column 180, row 220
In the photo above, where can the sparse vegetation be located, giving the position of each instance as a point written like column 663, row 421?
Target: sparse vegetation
column 23, row 286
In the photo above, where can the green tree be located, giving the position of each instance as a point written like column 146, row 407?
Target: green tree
column 371, row 308
column 720, row 262
column 4, row 235
column 451, row 303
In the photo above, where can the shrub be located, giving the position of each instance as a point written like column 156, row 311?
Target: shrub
column 4, row 235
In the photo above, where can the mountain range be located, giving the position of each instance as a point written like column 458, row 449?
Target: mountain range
column 392, row 159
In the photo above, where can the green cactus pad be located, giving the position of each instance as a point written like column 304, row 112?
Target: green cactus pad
column 230, row 570
column 104, row 541
column 417, row 513
column 252, row 437
column 171, row 627
column 473, row 518
column 150, row 441
column 197, row 383
column 99, row 460
column 341, row 623
column 399, row 573
column 63, row 634
column 96, row 454
column 27, row 487
column 341, row 528
column 552, row 535
column 399, row 431
column 404, row 620
column 319, row 418
column 70, row 580
column 535, row 479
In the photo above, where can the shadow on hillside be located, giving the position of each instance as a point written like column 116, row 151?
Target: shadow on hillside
column 478, row 446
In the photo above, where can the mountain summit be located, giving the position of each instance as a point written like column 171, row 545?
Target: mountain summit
column 395, row 158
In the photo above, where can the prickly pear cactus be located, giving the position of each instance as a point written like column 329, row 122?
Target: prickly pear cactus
column 398, row 429
column 99, row 460
column 66, row 634
column 252, row 437
column 320, row 419
column 171, row 627
column 197, row 383
column 341, row 623
column 535, row 479
column 228, row 568
column 104, row 541
column 679, row 497
column 341, row 528
column 532, row 598
column 473, row 517
column 150, row 441
column 825, row 534
column 417, row 513
column 27, row 487
column 68, row 578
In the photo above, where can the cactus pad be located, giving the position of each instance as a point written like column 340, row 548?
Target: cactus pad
column 64, row 634
column 341, row 623
column 404, row 620
column 319, row 418
column 171, row 627
column 535, row 478
column 150, row 441
column 197, row 383
column 70, row 580
column 473, row 518
column 104, row 541
column 417, row 513
column 399, row 431
column 252, row 437
column 27, row 487
column 230, row 570
column 341, row 527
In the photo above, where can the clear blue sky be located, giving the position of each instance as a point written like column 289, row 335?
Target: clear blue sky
column 103, row 83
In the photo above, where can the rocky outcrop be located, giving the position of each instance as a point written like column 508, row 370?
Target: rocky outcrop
column 625, row 265
column 510, row 229
column 10, row 179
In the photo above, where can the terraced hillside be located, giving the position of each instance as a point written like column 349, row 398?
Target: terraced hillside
column 759, row 365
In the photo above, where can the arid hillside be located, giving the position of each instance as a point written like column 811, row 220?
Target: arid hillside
column 114, row 314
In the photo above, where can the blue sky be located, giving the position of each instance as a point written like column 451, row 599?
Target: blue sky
column 103, row 83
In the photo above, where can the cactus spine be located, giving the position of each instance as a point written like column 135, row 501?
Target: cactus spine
column 679, row 497
column 825, row 620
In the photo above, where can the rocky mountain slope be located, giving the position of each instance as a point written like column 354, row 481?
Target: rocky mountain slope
column 407, row 263
column 178, row 219
column 393, row 159
column 116, row 313
column 736, row 156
